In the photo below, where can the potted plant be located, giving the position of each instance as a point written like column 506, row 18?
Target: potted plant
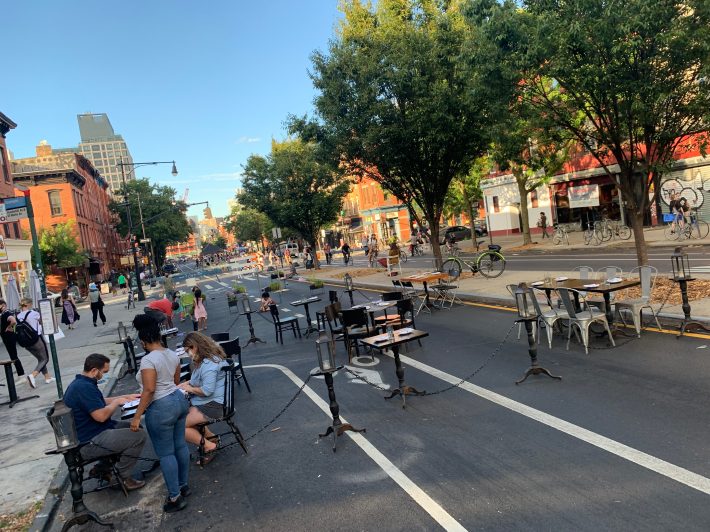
column 274, row 286
column 316, row 285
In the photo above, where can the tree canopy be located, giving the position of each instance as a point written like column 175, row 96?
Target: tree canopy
column 249, row 224
column 164, row 217
column 60, row 246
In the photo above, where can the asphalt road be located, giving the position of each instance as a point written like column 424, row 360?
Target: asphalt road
column 619, row 444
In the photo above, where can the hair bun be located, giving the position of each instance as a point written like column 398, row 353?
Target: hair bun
column 143, row 321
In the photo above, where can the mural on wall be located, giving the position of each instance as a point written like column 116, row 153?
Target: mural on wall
column 694, row 191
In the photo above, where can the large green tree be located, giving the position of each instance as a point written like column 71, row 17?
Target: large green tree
column 628, row 79
column 60, row 246
column 295, row 187
column 395, row 102
column 248, row 224
column 163, row 217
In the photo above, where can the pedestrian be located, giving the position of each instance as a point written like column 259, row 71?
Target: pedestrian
column 69, row 312
column 7, row 333
column 365, row 244
column 309, row 258
column 346, row 252
column 28, row 329
column 199, row 311
column 165, row 407
column 97, row 304
column 168, row 286
column 122, row 284
column 328, row 251
column 542, row 224
column 161, row 310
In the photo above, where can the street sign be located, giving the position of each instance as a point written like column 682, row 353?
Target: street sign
column 13, row 209
column 276, row 232
column 144, row 240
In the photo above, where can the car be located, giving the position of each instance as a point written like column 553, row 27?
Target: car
column 481, row 227
column 169, row 268
column 458, row 232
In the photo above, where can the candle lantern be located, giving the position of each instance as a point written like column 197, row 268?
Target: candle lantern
column 62, row 421
column 326, row 353
column 122, row 332
column 523, row 301
column 680, row 265
column 245, row 302
column 348, row 282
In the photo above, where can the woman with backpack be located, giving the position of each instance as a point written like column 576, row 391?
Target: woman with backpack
column 28, row 331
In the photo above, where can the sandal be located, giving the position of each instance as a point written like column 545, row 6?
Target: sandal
column 209, row 456
column 215, row 439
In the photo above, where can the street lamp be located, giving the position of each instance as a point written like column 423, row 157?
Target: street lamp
column 134, row 250
column 527, row 314
column 680, row 267
column 325, row 349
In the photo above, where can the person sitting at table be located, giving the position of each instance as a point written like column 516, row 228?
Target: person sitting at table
column 206, row 389
column 94, row 426
column 266, row 302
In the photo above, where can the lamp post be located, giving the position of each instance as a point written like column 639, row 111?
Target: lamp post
column 528, row 315
column 134, row 250
column 680, row 267
column 325, row 349
column 43, row 285
column 245, row 303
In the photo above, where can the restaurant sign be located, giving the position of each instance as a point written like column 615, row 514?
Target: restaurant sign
column 583, row 196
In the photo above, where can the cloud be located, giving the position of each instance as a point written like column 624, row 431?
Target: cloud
column 247, row 140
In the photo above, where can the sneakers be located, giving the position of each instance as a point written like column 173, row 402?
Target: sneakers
column 172, row 506
column 31, row 381
column 49, row 380
column 185, row 491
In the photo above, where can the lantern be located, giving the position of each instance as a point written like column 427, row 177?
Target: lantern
column 523, row 301
column 325, row 349
column 245, row 303
column 62, row 421
column 348, row 282
column 680, row 265
column 122, row 332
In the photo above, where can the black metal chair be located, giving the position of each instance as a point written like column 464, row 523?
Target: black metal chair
column 281, row 323
column 391, row 296
column 387, row 296
column 356, row 325
column 405, row 316
column 220, row 337
column 234, row 353
column 227, row 414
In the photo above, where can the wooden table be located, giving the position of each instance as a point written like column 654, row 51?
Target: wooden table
column 604, row 288
column 304, row 303
column 425, row 279
column 381, row 342
column 374, row 306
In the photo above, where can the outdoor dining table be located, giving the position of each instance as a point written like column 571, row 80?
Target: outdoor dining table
column 382, row 342
column 376, row 306
column 604, row 288
column 425, row 279
column 304, row 303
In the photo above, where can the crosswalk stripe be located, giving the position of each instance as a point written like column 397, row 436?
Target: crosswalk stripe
column 223, row 283
column 299, row 315
column 209, row 286
column 286, row 309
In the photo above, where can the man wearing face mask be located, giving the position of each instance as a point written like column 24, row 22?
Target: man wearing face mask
column 92, row 417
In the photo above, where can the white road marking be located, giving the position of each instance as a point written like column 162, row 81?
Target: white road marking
column 209, row 286
column 286, row 309
column 652, row 463
column 223, row 283
column 299, row 315
column 429, row 505
column 371, row 375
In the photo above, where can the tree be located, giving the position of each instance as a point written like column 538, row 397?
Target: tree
column 294, row 187
column 626, row 78
column 395, row 102
column 60, row 247
column 248, row 224
column 465, row 191
column 219, row 241
column 163, row 217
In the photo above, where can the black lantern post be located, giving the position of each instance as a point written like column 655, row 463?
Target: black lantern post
column 245, row 304
column 528, row 315
column 680, row 267
column 347, row 278
column 61, row 419
column 125, row 339
column 325, row 348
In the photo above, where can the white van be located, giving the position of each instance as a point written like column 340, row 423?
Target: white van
column 291, row 246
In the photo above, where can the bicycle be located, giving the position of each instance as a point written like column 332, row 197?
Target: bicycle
column 696, row 227
column 489, row 263
column 130, row 301
column 676, row 228
column 591, row 236
column 416, row 249
column 402, row 255
column 560, row 235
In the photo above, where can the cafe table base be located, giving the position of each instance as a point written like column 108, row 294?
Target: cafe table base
column 403, row 389
column 253, row 338
column 338, row 428
column 537, row 370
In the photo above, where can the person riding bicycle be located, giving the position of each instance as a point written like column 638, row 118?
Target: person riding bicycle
column 413, row 243
column 679, row 207
column 372, row 253
column 345, row 248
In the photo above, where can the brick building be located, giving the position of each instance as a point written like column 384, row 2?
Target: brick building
column 65, row 186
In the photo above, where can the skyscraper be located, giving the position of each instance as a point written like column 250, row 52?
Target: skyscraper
column 100, row 144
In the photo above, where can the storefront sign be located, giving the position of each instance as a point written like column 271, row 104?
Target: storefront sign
column 3, row 251
column 583, row 196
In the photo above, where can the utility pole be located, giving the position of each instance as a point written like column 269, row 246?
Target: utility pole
column 134, row 250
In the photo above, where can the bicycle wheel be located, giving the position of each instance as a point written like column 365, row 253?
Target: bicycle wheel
column 491, row 264
column 624, row 232
column 403, row 255
column 670, row 232
column 603, row 233
column 453, row 267
column 701, row 229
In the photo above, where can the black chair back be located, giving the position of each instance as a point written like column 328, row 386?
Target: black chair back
column 220, row 337
column 228, row 403
column 274, row 313
column 391, row 296
column 231, row 347
column 404, row 307
column 354, row 317
column 332, row 296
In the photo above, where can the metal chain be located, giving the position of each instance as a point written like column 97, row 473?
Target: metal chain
column 363, row 379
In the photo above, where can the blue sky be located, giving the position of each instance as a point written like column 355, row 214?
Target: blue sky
column 205, row 83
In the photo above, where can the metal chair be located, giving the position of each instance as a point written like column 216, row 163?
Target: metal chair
column 356, row 325
column 647, row 275
column 446, row 290
column 220, row 337
column 232, row 349
column 582, row 319
column 391, row 296
column 546, row 317
column 281, row 323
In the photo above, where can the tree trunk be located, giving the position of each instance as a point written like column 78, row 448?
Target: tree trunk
column 639, row 237
column 472, row 219
column 523, row 211
column 316, row 262
column 435, row 246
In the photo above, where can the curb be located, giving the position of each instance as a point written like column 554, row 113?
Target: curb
column 60, row 482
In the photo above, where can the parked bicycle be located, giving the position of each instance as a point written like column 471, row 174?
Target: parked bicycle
column 697, row 227
column 490, row 263
column 607, row 229
column 560, row 235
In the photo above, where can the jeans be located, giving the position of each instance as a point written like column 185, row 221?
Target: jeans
column 165, row 422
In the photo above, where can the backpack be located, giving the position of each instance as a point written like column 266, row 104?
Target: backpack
column 26, row 335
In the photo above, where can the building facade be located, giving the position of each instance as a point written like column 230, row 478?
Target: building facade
column 66, row 187
column 16, row 251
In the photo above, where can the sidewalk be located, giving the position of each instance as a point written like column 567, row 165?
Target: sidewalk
column 25, row 470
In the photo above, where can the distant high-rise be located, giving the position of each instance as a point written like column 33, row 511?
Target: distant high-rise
column 104, row 148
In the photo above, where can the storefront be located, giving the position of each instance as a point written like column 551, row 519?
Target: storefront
column 586, row 200
column 15, row 262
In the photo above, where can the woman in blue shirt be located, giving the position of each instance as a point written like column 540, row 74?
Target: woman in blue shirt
column 206, row 388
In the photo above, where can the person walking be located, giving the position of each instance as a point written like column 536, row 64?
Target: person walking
column 542, row 224
column 69, row 312
column 328, row 251
column 199, row 311
column 97, row 304
column 165, row 407
column 122, row 284
column 29, row 318
column 7, row 334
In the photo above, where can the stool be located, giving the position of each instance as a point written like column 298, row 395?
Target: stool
column 7, row 364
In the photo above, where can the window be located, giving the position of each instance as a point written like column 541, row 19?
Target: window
column 496, row 205
column 3, row 165
column 6, row 227
column 55, row 202
column 533, row 199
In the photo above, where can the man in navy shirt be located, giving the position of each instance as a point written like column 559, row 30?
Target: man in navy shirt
column 92, row 417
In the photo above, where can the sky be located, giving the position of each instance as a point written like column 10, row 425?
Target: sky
column 204, row 83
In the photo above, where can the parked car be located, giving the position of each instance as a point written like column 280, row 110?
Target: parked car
column 481, row 227
column 459, row 232
column 169, row 268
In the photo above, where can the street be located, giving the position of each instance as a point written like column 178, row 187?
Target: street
column 618, row 444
